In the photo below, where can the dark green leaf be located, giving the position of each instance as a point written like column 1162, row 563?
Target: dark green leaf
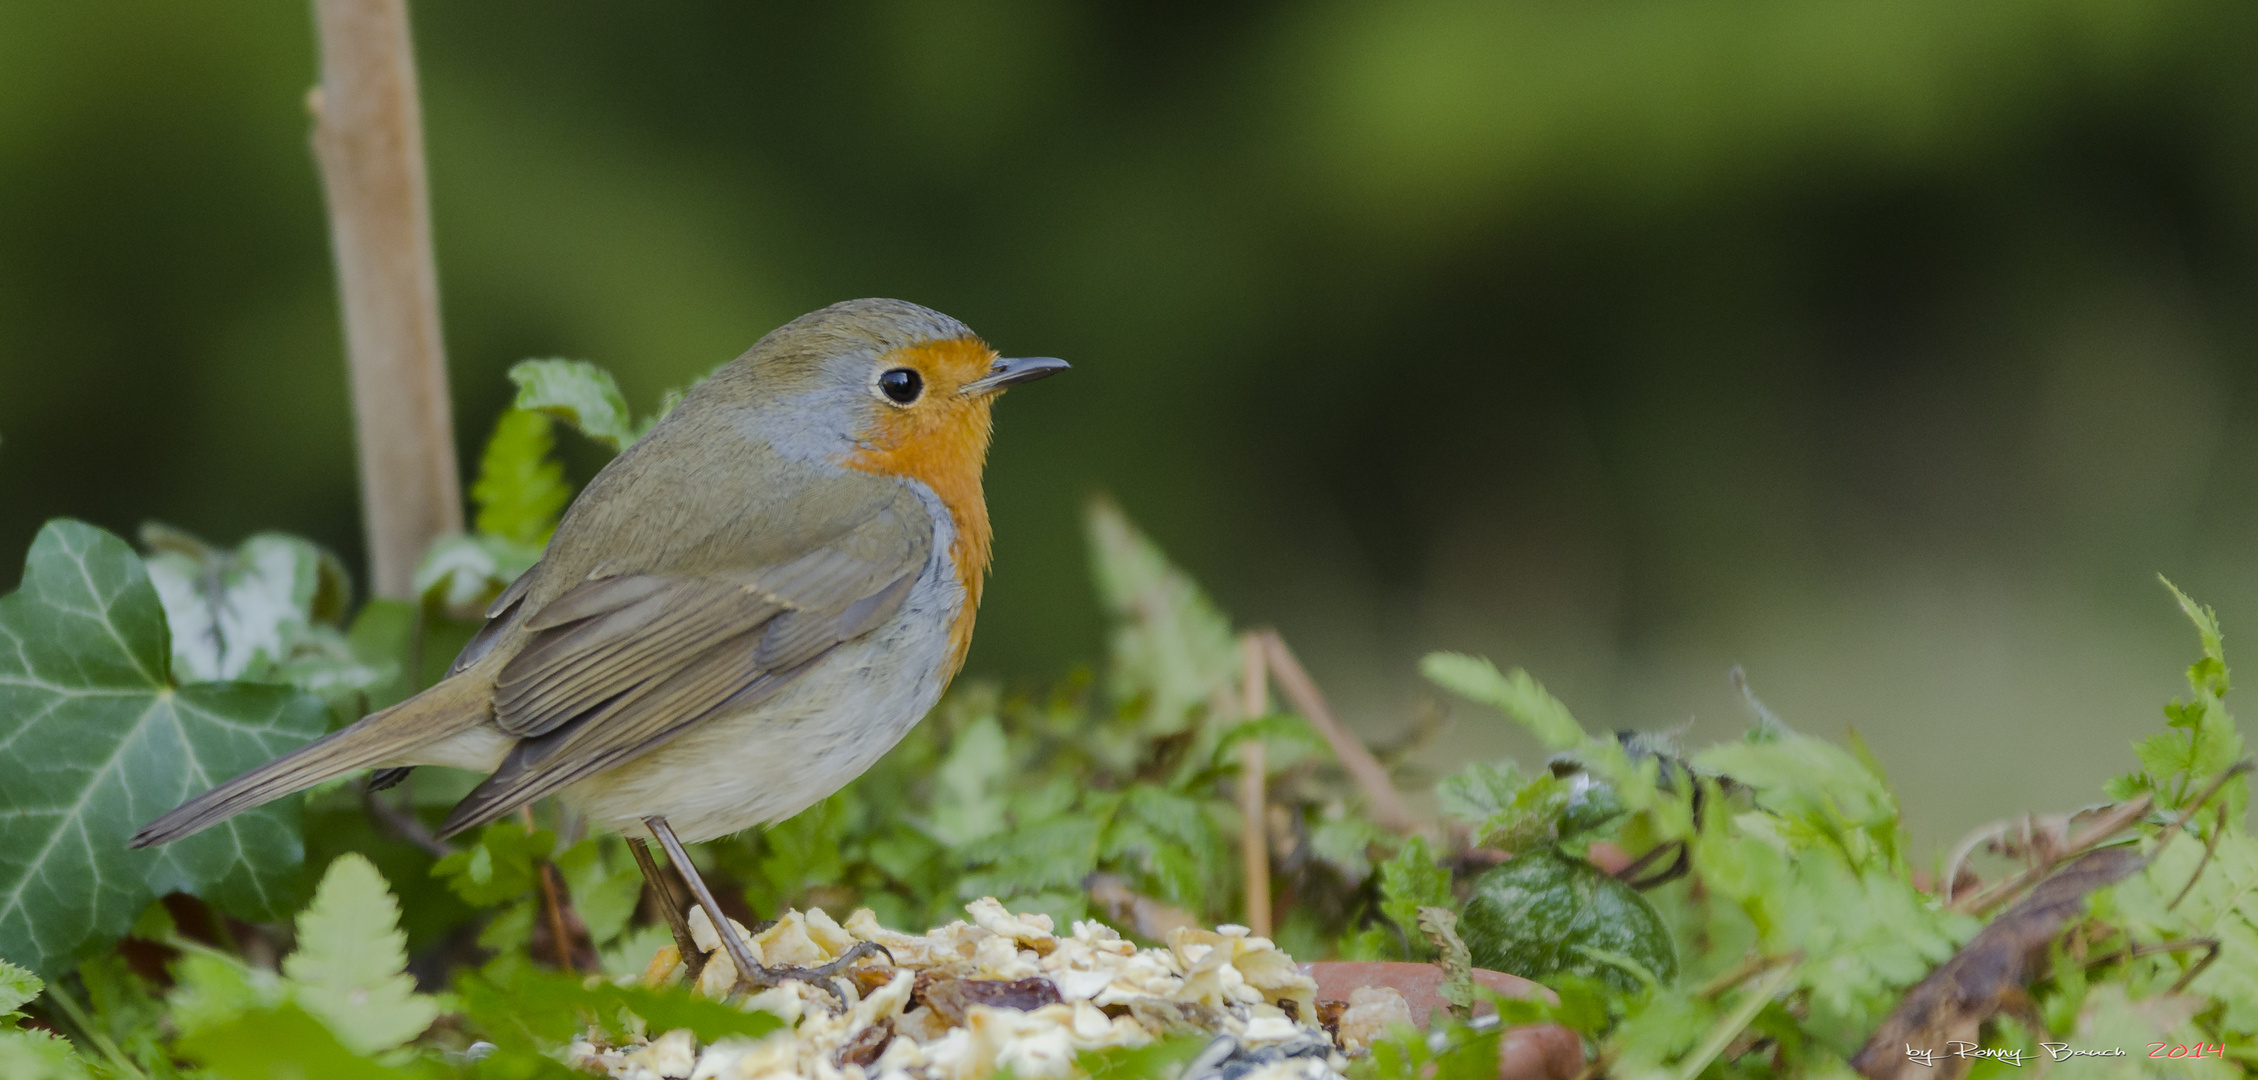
column 96, row 740
column 1536, row 915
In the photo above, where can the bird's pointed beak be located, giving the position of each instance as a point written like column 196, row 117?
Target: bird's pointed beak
column 1013, row 370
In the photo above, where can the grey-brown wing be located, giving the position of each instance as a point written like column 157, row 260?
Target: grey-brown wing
column 616, row 666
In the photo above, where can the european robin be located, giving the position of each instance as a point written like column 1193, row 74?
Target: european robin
column 738, row 615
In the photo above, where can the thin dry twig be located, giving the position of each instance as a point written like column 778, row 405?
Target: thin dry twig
column 2210, row 847
column 2102, row 828
column 368, row 137
column 403, row 822
column 552, row 901
column 1388, row 808
column 1254, row 803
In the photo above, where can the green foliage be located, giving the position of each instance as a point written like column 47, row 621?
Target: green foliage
column 1515, row 694
column 263, row 1044
column 1156, row 1060
column 102, row 739
column 17, row 987
column 1439, row 925
column 578, row 393
column 1171, row 646
column 605, row 885
column 501, row 866
column 539, row 1007
column 520, row 492
column 271, row 610
column 1406, row 1054
column 1544, row 913
column 1793, row 926
column 1411, row 881
column 350, row 959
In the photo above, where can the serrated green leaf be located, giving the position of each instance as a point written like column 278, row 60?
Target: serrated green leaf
column 519, row 490
column 1530, row 818
column 268, row 1044
column 1514, row 693
column 500, row 867
column 967, row 803
column 1805, row 778
column 39, row 1055
column 1479, row 790
column 464, row 573
column 349, row 968
column 18, row 986
column 1413, row 879
column 2220, row 904
column 95, row 741
column 604, row 894
column 1345, row 844
column 578, row 393
column 211, row 990
column 1171, row 646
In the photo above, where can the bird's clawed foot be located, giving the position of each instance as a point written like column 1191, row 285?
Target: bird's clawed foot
column 763, row 978
column 752, row 977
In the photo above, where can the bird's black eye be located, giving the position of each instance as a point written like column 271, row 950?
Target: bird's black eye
column 901, row 385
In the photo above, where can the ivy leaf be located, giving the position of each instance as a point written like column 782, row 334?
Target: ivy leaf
column 1515, row 694
column 95, row 740
column 1171, row 645
column 263, row 612
column 348, row 969
column 578, row 393
column 520, row 491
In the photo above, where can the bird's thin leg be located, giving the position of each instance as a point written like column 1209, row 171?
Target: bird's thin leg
column 693, row 958
column 748, row 973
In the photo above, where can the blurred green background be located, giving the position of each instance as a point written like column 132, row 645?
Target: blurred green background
column 1889, row 348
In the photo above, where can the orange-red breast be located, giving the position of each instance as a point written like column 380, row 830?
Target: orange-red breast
column 739, row 614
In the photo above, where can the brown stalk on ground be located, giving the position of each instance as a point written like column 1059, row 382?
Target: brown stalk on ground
column 1388, row 807
column 1254, row 850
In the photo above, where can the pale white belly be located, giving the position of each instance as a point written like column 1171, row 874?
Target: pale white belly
column 783, row 755
column 795, row 749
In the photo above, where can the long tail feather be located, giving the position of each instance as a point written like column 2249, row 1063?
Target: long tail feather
column 449, row 707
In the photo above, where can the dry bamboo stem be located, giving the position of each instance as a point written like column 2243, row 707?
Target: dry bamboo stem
column 1254, row 804
column 1388, row 808
column 368, row 137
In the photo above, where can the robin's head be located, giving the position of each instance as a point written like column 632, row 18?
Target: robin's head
column 881, row 386
column 887, row 388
